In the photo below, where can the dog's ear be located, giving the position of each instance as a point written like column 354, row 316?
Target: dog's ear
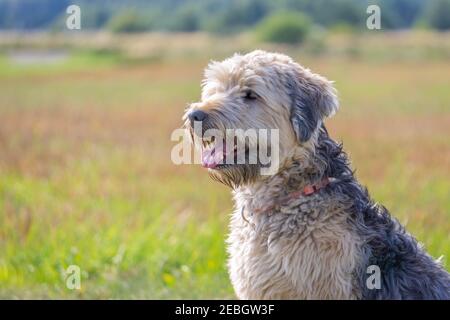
column 313, row 99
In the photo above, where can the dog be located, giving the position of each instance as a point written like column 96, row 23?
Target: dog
column 310, row 230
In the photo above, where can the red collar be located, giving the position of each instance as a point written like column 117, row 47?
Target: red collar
column 306, row 191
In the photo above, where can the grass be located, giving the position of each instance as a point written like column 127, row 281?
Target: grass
column 86, row 176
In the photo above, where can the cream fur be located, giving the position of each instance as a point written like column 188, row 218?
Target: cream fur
column 298, row 252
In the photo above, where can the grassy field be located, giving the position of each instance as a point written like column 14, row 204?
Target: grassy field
column 86, row 176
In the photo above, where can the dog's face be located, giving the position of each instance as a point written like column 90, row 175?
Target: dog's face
column 256, row 91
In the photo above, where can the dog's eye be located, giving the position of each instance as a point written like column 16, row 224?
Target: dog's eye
column 250, row 95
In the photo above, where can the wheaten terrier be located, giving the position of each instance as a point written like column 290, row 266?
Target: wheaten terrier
column 309, row 230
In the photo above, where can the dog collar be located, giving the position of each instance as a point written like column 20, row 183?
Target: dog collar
column 307, row 190
column 310, row 188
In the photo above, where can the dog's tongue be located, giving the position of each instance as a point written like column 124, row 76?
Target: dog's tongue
column 213, row 157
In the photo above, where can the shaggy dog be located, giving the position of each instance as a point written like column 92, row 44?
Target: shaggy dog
column 310, row 230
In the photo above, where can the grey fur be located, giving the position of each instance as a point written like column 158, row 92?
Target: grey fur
column 310, row 104
column 407, row 271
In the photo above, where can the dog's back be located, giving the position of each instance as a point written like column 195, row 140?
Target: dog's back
column 407, row 271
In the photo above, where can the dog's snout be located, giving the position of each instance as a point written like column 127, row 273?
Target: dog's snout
column 197, row 115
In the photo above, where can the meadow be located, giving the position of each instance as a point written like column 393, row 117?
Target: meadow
column 86, row 177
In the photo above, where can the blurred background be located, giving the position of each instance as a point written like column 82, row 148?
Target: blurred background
column 86, row 115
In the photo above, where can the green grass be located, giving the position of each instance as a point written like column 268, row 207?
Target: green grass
column 128, row 242
column 86, row 176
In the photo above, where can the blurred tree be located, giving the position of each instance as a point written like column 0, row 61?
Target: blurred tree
column 220, row 16
column 30, row 14
column 399, row 14
column 438, row 13
column 95, row 18
column 238, row 15
column 185, row 19
column 128, row 21
column 284, row 27
column 329, row 12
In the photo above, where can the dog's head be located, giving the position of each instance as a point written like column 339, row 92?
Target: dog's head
column 246, row 93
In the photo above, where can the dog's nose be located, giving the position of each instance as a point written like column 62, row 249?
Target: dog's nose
column 197, row 115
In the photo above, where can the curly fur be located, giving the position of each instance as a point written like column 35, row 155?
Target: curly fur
column 317, row 246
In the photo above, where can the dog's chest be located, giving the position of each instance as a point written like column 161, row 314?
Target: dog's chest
column 293, row 255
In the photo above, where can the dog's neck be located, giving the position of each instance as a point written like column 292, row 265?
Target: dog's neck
column 307, row 164
column 299, row 169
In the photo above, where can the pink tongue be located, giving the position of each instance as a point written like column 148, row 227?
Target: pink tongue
column 212, row 157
